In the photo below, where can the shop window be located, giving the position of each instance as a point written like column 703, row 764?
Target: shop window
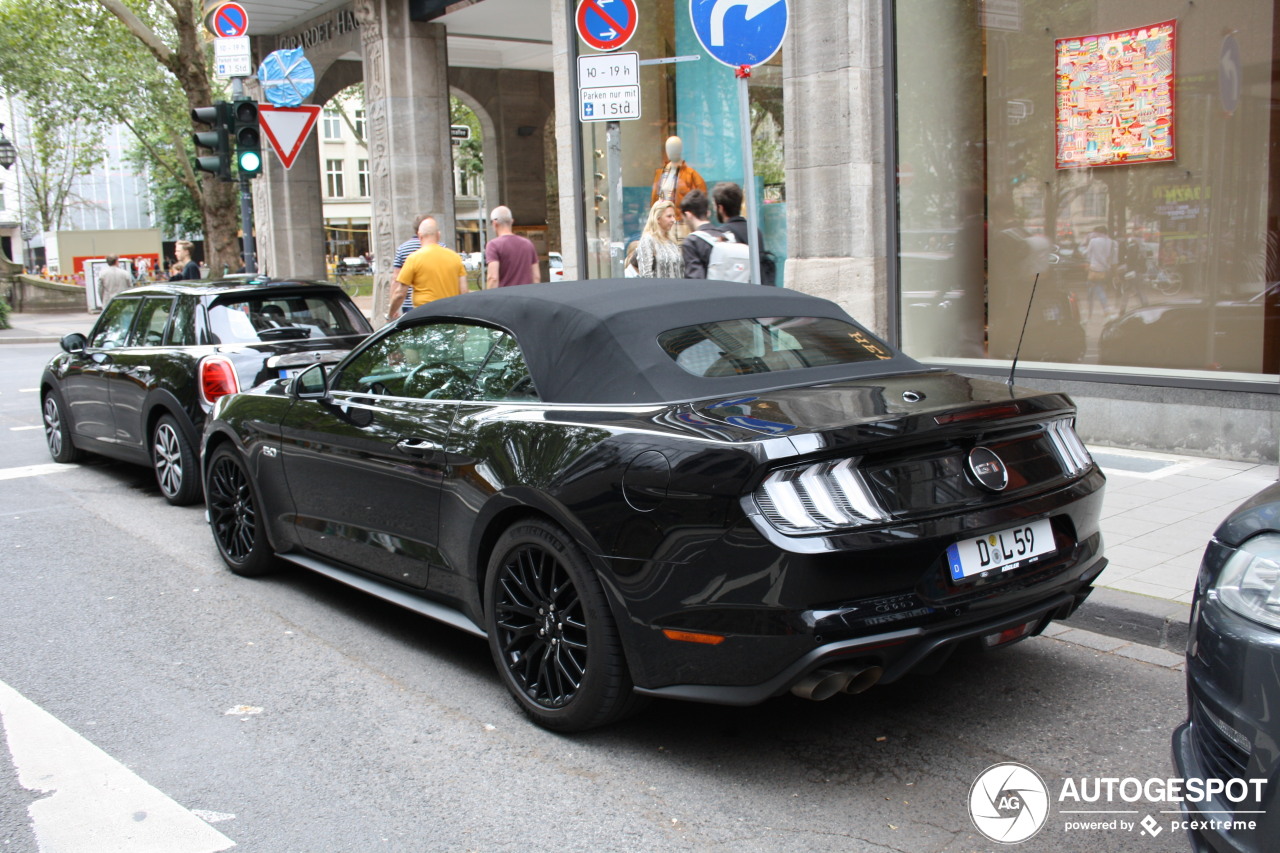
column 688, row 95
column 1115, row 159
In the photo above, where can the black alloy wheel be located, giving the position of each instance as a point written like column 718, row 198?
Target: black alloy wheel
column 57, row 433
column 550, row 631
column 234, row 518
column 174, row 463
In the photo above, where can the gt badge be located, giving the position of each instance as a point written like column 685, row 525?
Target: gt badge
column 988, row 468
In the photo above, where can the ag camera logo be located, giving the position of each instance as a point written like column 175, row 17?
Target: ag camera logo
column 1008, row 803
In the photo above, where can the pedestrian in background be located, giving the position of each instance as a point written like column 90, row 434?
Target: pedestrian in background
column 1102, row 253
column 433, row 272
column 510, row 258
column 696, row 247
column 727, row 197
column 190, row 269
column 401, row 297
column 112, row 280
column 658, row 255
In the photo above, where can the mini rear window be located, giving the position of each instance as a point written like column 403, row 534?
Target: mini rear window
column 769, row 344
column 279, row 317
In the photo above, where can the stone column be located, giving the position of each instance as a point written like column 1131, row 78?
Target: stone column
column 289, row 217
column 406, row 77
column 837, row 217
column 566, row 119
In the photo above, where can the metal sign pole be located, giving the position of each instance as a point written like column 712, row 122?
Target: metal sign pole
column 613, row 146
column 749, row 174
column 249, row 248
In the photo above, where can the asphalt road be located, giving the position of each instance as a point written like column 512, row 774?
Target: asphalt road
column 293, row 714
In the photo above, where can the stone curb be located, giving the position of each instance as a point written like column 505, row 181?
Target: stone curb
column 1134, row 618
column 34, row 338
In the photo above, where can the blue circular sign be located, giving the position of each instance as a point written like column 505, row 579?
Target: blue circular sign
column 739, row 32
column 287, row 77
column 607, row 24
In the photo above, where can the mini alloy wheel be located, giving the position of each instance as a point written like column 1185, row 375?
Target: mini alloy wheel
column 56, row 431
column 233, row 516
column 174, row 463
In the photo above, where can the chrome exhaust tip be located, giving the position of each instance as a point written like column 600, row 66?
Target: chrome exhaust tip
column 821, row 684
column 860, row 680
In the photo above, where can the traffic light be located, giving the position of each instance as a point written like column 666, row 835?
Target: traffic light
column 217, row 139
column 248, row 138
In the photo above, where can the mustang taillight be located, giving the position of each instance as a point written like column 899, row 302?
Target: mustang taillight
column 824, row 496
column 217, row 378
column 1071, row 451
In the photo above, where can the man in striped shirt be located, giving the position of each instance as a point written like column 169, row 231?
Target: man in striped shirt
column 401, row 295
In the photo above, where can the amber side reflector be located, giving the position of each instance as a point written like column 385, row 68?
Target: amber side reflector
column 1003, row 410
column 693, row 637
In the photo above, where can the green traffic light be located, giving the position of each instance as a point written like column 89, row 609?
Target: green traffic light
column 250, row 162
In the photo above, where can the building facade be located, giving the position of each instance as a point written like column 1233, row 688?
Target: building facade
column 1085, row 188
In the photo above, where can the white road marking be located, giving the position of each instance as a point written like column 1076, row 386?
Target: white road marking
column 95, row 804
column 28, row 390
column 33, row 470
column 20, row 429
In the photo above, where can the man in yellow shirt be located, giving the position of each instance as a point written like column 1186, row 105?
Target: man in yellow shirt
column 433, row 272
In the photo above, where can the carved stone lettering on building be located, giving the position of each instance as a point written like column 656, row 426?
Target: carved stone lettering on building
column 338, row 24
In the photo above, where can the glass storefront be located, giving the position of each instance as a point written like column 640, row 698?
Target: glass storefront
column 1114, row 157
column 684, row 93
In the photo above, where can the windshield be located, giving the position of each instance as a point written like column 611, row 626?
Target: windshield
column 278, row 317
column 769, row 344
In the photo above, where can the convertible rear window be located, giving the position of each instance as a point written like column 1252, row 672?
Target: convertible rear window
column 769, row 344
column 279, row 317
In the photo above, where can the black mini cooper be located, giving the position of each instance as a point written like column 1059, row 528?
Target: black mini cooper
column 139, row 387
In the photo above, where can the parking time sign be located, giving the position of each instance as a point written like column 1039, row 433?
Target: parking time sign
column 609, row 86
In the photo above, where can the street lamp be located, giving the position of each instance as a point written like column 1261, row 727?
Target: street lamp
column 8, row 154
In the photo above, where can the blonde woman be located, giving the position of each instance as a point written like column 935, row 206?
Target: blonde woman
column 657, row 254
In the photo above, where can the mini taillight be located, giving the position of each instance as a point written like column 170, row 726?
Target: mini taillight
column 217, row 378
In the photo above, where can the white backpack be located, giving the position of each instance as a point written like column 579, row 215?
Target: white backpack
column 730, row 260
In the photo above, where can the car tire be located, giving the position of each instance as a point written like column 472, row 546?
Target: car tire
column 57, row 432
column 550, row 631
column 174, row 462
column 234, row 516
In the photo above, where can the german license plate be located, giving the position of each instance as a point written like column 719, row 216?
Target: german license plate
column 1003, row 551
column 290, row 372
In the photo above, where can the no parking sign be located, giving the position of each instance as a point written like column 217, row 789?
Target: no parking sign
column 606, row 24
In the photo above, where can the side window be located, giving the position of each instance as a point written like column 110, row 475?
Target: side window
column 154, row 316
column 436, row 361
column 112, row 329
column 505, row 375
column 182, row 331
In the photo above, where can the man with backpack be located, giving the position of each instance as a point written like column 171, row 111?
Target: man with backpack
column 702, row 237
column 728, row 200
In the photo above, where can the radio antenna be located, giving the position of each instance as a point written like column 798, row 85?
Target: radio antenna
column 1023, row 333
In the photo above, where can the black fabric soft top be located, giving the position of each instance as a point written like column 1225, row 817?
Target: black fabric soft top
column 596, row 341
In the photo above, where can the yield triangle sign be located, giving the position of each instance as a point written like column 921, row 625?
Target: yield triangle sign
column 287, row 128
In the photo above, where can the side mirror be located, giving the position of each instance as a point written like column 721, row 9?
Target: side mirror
column 74, row 343
column 311, row 384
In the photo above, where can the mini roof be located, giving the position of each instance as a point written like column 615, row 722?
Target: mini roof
column 596, row 341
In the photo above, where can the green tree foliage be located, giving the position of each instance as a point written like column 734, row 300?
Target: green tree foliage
column 140, row 63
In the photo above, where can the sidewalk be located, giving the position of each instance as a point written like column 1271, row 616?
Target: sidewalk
column 1158, row 514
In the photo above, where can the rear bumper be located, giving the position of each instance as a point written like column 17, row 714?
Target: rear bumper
column 896, row 652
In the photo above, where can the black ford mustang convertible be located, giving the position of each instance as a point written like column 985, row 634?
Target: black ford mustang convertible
column 714, row 492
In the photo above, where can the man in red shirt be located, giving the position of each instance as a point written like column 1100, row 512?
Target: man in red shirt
column 510, row 259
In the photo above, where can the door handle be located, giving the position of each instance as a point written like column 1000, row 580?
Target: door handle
column 418, row 446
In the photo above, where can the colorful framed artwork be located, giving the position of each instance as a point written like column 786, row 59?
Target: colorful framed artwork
column 1115, row 97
